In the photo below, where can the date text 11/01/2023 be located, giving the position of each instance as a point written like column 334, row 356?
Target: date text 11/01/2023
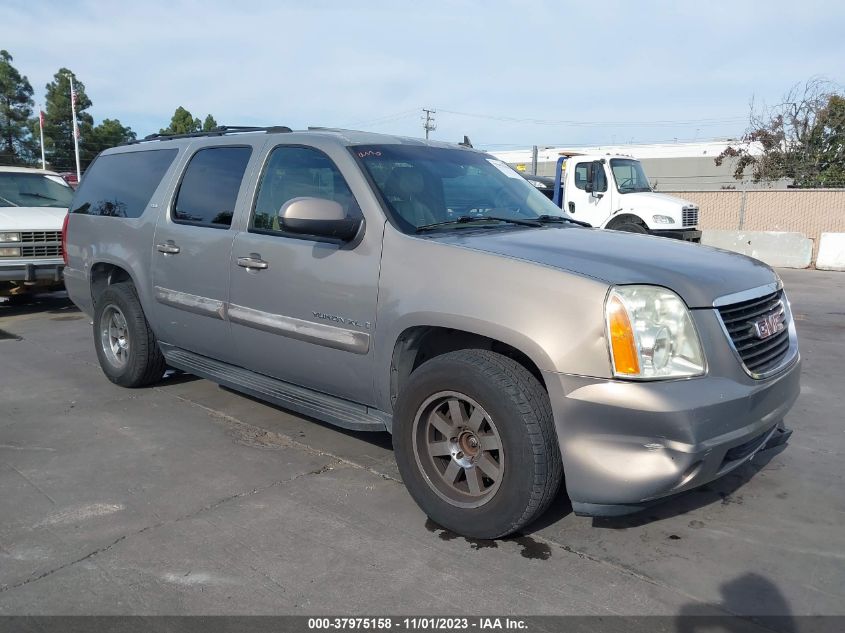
column 418, row 623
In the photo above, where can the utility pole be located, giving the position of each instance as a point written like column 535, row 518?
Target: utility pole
column 428, row 121
column 75, row 127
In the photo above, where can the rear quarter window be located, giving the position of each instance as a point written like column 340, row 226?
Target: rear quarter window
column 121, row 185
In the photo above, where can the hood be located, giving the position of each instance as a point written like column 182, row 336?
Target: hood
column 699, row 274
column 31, row 218
column 653, row 202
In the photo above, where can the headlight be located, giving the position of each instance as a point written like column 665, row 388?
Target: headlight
column 663, row 219
column 10, row 237
column 651, row 334
column 10, row 252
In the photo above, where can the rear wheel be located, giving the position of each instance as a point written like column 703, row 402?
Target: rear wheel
column 126, row 347
column 475, row 443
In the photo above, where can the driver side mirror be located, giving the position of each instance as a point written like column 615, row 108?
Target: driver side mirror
column 319, row 217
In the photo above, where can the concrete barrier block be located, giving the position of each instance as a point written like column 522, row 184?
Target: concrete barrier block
column 831, row 254
column 775, row 248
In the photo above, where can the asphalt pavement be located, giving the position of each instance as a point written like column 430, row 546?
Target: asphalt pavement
column 187, row 498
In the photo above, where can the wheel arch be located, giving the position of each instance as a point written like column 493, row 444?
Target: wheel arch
column 419, row 343
column 104, row 274
column 624, row 218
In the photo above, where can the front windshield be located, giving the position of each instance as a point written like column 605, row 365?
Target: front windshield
column 21, row 189
column 455, row 188
column 629, row 175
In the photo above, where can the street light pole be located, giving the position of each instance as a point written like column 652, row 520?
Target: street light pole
column 75, row 127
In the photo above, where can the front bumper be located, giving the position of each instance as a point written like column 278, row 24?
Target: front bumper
column 625, row 444
column 32, row 272
column 686, row 235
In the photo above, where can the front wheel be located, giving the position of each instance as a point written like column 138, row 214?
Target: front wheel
column 631, row 227
column 126, row 347
column 475, row 443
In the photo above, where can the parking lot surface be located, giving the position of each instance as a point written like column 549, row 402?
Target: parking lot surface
column 186, row 498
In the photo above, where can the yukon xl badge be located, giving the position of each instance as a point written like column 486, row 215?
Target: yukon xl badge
column 770, row 324
column 339, row 319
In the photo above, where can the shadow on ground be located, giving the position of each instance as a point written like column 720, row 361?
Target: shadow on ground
column 51, row 303
column 756, row 600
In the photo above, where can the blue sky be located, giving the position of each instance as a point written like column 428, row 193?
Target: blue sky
column 504, row 73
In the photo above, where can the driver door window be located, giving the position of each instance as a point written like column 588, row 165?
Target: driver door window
column 297, row 172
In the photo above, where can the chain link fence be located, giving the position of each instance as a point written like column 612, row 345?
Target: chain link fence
column 807, row 211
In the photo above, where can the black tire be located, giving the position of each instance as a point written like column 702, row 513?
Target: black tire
column 631, row 227
column 520, row 407
column 144, row 363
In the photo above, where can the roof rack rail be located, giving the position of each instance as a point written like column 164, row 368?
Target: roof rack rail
column 221, row 130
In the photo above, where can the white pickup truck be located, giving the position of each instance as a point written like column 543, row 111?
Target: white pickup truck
column 611, row 191
column 33, row 205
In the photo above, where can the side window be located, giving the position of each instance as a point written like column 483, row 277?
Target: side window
column 296, row 172
column 121, row 185
column 582, row 175
column 210, row 186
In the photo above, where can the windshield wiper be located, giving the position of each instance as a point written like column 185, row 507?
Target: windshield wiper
column 549, row 219
column 38, row 195
column 468, row 219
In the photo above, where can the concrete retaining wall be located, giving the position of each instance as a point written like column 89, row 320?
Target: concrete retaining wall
column 775, row 248
column 808, row 212
column 831, row 252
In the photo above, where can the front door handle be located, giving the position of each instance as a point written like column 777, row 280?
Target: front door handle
column 253, row 262
column 168, row 248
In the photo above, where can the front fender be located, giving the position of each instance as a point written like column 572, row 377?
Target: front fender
column 553, row 317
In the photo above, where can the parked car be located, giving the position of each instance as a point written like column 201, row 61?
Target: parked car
column 545, row 184
column 33, row 204
column 70, row 178
column 383, row 283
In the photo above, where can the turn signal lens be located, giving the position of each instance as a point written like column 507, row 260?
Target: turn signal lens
column 623, row 345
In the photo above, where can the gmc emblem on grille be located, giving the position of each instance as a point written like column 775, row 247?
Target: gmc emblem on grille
column 770, row 324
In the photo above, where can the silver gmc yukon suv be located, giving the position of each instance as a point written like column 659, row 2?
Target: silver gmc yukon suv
column 383, row 283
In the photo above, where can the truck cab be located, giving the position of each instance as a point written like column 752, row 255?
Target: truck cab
column 611, row 191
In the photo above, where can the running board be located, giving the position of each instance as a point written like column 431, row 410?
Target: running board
column 342, row 413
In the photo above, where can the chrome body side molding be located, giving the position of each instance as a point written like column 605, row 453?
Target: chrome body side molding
column 317, row 333
column 192, row 303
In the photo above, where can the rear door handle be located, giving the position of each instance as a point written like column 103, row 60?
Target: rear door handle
column 253, row 262
column 168, row 248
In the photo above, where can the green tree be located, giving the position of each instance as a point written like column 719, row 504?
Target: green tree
column 16, row 106
column 58, row 123
column 801, row 139
column 209, row 124
column 182, row 122
column 110, row 133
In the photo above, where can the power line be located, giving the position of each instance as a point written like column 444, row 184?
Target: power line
column 387, row 118
column 572, row 122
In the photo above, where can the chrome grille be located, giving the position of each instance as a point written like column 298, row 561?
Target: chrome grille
column 689, row 215
column 760, row 353
column 41, row 236
column 42, row 250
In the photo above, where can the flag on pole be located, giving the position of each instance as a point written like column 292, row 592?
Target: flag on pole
column 73, row 107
